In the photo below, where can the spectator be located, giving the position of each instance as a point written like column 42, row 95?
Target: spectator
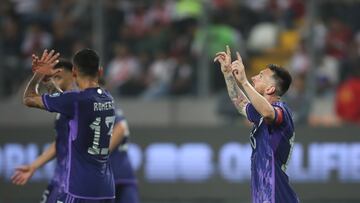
column 161, row 11
column 159, row 77
column 36, row 40
column 62, row 40
column 299, row 62
column 11, row 62
column 181, row 82
column 138, row 21
column 348, row 100
column 123, row 72
column 338, row 38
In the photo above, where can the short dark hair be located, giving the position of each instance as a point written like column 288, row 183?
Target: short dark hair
column 87, row 61
column 282, row 78
column 65, row 64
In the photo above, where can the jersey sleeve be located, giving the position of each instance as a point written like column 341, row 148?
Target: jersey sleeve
column 252, row 114
column 279, row 115
column 60, row 102
column 282, row 115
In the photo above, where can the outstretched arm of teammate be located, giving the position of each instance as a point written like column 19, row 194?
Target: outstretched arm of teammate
column 31, row 98
column 23, row 173
column 43, row 66
column 117, row 135
column 49, row 85
column 265, row 109
column 236, row 94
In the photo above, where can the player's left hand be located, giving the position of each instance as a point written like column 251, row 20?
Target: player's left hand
column 45, row 65
column 238, row 69
column 22, row 174
column 224, row 58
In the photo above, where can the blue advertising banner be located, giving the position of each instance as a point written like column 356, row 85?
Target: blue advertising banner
column 201, row 163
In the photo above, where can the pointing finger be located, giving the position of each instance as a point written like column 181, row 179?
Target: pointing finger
column 228, row 52
column 238, row 56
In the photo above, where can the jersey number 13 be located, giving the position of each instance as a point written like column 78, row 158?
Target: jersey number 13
column 96, row 128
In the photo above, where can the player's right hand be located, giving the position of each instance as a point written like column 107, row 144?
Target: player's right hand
column 45, row 65
column 224, row 58
column 22, row 174
column 35, row 64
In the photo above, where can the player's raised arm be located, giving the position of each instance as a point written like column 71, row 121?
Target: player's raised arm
column 23, row 173
column 236, row 95
column 42, row 67
column 49, row 85
column 262, row 106
column 117, row 135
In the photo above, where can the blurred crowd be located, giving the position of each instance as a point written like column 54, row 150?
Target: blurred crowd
column 153, row 49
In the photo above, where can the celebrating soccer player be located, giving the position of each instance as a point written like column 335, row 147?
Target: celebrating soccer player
column 272, row 137
column 91, row 115
column 63, row 80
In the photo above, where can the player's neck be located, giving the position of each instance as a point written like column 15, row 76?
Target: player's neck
column 272, row 98
column 85, row 83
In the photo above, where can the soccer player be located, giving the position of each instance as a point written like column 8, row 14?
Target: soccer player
column 272, row 137
column 64, row 81
column 88, row 176
column 125, row 182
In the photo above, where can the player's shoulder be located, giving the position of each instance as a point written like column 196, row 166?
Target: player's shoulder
column 107, row 93
column 71, row 93
column 93, row 94
column 281, row 104
column 285, row 109
column 96, row 91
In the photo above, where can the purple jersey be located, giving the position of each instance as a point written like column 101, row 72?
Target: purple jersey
column 62, row 134
column 91, row 114
column 272, row 146
column 120, row 163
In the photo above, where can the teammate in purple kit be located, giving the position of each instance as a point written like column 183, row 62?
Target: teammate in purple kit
column 125, row 181
column 126, row 189
column 272, row 137
column 64, row 81
column 91, row 115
